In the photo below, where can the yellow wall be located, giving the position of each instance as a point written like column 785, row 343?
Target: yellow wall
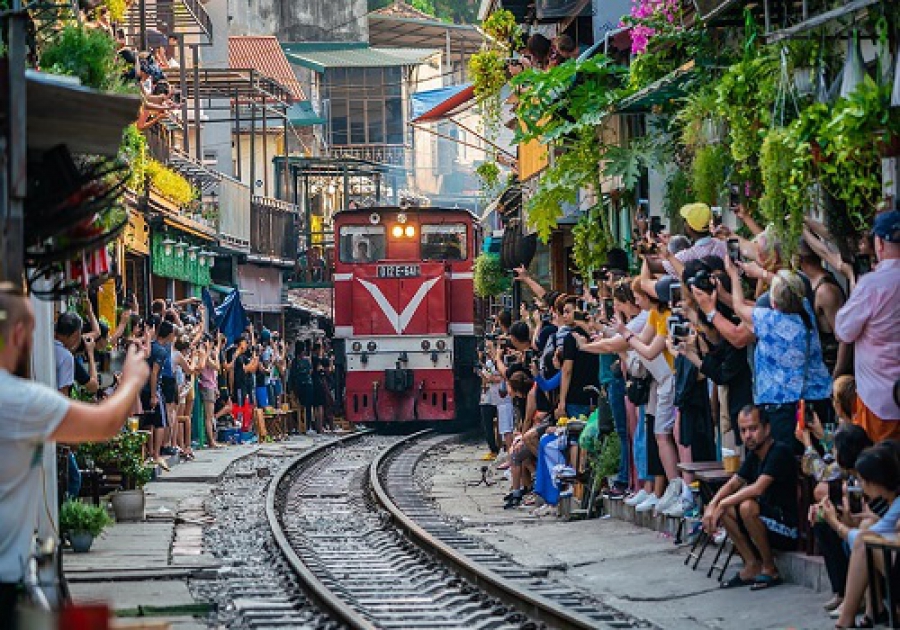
column 533, row 158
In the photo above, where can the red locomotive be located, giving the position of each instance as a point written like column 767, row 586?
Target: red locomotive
column 404, row 314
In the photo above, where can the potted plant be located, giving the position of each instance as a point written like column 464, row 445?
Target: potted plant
column 489, row 277
column 123, row 456
column 81, row 523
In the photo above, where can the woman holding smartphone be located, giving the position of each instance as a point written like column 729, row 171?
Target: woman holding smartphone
column 879, row 473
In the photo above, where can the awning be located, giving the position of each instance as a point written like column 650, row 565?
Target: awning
column 190, row 227
column 320, row 56
column 263, row 53
column 302, row 114
column 674, row 85
column 260, row 288
column 435, row 105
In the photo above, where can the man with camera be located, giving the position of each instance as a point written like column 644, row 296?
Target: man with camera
column 697, row 218
column 31, row 415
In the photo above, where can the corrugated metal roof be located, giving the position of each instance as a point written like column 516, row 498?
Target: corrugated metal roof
column 319, row 57
column 263, row 53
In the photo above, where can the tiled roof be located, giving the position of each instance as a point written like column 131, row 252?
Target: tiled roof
column 321, row 56
column 263, row 53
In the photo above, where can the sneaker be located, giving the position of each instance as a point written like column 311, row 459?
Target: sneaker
column 670, row 496
column 679, row 508
column 544, row 510
column 637, row 498
column 647, row 504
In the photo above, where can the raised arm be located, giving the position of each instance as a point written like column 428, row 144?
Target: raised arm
column 92, row 423
column 523, row 276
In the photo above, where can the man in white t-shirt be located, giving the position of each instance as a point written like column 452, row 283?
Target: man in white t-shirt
column 31, row 415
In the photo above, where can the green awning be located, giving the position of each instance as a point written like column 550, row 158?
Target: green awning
column 302, row 114
column 320, row 56
column 674, row 85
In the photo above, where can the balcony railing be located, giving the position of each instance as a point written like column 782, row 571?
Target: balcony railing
column 394, row 155
column 274, row 228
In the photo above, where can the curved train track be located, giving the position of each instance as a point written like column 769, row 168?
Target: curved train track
column 368, row 548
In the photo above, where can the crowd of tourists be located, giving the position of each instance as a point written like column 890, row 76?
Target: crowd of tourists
column 719, row 343
column 194, row 375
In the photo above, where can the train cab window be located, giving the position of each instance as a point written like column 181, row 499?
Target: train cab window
column 362, row 243
column 446, row 241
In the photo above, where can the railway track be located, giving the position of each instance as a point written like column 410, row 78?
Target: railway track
column 368, row 548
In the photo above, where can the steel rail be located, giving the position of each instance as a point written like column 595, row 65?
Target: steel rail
column 531, row 604
column 320, row 594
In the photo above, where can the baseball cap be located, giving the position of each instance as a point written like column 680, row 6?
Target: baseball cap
column 697, row 215
column 663, row 288
column 887, row 226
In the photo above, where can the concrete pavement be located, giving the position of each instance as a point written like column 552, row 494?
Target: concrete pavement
column 146, row 566
column 634, row 569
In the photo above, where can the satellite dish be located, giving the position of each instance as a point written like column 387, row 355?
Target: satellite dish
column 374, row 218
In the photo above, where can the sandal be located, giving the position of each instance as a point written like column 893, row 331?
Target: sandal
column 764, row 581
column 736, row 581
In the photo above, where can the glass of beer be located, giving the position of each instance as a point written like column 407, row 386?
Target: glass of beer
column 132, row 424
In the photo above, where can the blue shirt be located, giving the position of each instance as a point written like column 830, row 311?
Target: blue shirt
column 886, row 525
column 786, row 355
column 162, row 354
column 606, row 373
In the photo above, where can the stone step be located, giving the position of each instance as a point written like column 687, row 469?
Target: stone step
column 796, row 567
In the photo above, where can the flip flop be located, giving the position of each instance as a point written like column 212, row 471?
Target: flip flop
column 763, row 581
column 736, row 581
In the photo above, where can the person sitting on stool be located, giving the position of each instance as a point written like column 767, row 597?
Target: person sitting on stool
column 758, row 505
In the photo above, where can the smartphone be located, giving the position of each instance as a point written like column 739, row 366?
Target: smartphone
column 595, row 292
column 674, row 294
column 855, row 499
column 734, row 250
column 656, row 225
column 609, row 308
column 580, row 316
column 716, row 215
column 734, row 197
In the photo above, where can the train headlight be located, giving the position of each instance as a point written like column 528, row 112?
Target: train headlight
column 397, row 231
column 357, row 346
column 371, row 346
column 410, row 231
column 441, row 344
column 426, row 344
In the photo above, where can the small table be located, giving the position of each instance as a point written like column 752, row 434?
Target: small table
column 695, row 467
column 275, row 423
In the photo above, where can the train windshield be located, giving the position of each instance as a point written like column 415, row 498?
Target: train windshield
column 444, row 242
column 362, row 243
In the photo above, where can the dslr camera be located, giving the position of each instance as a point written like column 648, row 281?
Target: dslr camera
column 703, row 281
column 679, row 328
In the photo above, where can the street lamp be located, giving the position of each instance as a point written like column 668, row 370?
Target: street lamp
column 167, row 246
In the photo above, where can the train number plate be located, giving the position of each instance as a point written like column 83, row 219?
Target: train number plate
column 399, row 271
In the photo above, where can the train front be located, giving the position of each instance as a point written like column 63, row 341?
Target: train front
column 404, row 314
